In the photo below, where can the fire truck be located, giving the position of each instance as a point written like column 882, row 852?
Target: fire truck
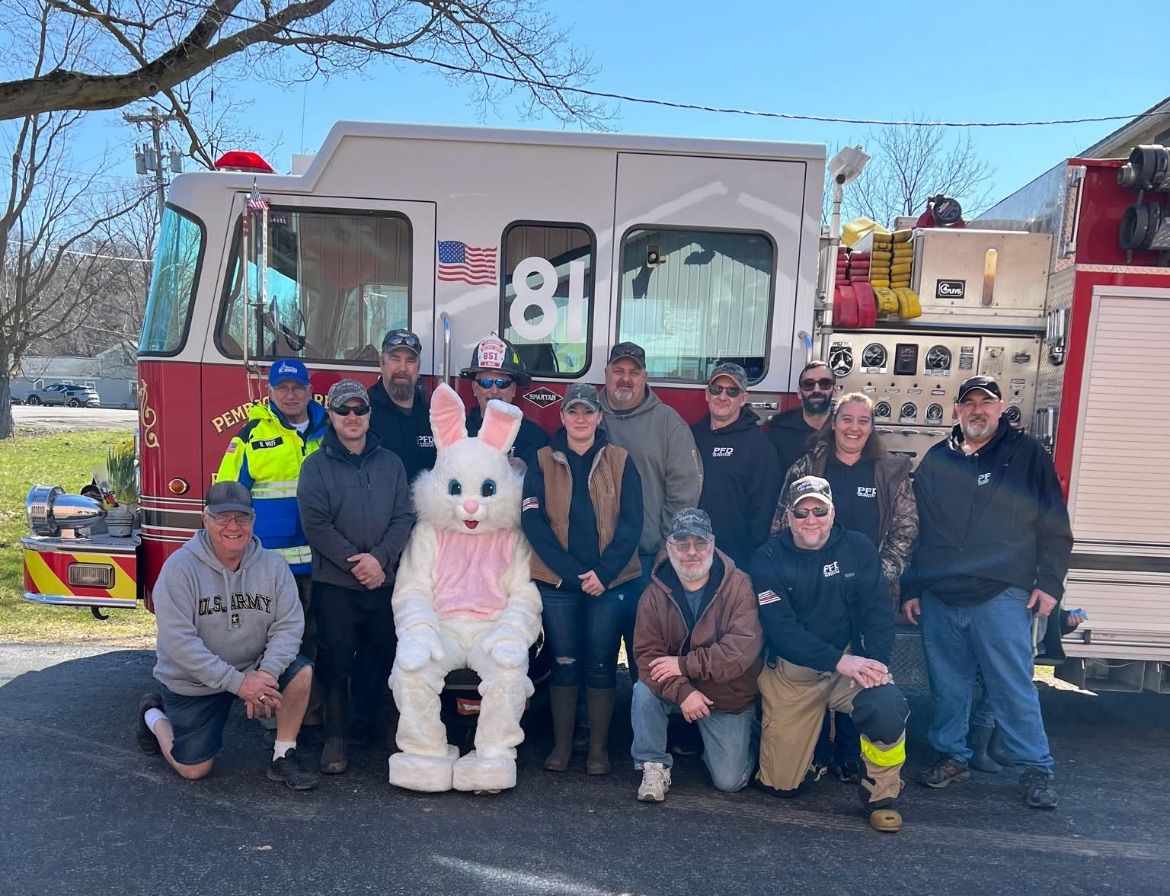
column 701, row 251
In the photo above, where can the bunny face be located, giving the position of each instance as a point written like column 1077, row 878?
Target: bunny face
column 473, row 488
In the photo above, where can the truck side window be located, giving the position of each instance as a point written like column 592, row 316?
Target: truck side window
column 337, row 281
column 546, row 305
column 693, row 298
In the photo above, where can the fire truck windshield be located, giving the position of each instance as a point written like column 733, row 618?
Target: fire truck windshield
column 172, row 285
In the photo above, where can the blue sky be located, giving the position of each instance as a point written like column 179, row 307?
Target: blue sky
column 992, row 61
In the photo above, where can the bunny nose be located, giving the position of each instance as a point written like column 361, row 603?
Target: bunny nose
column 471, row 505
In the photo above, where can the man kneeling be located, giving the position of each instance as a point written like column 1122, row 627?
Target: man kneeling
column 229, row 625
column 829, row 629
column 697, row 643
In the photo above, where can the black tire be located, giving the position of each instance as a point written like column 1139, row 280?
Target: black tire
column 33, row 400
column 73, row 403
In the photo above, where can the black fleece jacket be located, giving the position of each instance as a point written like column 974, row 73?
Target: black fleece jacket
column 353, row 504
column 988, row 520
column 741, row 482
column 815, row 604
column 529, row 440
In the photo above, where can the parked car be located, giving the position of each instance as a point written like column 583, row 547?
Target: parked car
column 65, row 394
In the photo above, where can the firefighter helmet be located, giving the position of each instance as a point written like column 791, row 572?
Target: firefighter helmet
column 495, row 354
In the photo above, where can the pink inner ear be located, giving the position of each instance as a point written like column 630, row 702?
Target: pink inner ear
column 501, row 424
column 448, row 417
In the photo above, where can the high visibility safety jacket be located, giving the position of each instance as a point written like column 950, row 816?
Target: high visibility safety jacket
column 266, row 457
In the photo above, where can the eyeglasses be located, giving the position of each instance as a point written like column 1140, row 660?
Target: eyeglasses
column 346, row 409
column 729, row 391
column 801, row 513
column 488, row 382
column 296, row 388
column 228, row 517
column 687, row 545
column 401, row 337
column 824, row 385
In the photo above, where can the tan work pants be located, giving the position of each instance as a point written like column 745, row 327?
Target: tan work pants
column 794, row 699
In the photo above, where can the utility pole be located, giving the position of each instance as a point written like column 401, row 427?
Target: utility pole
column 148, row 158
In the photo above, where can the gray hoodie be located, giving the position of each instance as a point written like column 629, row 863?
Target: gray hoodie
column 663, row 449
column 215, row 624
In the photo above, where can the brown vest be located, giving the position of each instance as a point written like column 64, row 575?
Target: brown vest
column 605, row 491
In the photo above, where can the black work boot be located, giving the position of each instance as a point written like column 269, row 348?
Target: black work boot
column 978, row 739
column 333, row 756
column 563, row 703
column 599, row 702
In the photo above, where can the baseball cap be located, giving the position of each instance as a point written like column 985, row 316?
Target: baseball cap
column 691, row 521
column 286, row 369
column 582, row 393
column 401, row 338
column 729, row 369
column 343, row 390
column 228, row 496
column 985, row 383
column 810, row 487
column 628, row 350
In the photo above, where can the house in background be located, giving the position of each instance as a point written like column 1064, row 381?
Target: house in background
column 112, row 373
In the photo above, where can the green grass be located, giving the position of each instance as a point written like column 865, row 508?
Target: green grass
column 69, row 460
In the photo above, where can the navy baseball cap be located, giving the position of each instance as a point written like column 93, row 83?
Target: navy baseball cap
column 287, row 370
column 630, row 350
column 228, row 496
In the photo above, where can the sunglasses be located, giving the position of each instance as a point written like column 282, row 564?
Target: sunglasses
column 824, row 385
column 729, row 391
column 407, row 339
column 240, row 519
column 346, row 409
column 487, row 382
column 801, row 513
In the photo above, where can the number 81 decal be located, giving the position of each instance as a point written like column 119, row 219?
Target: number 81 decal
column 543, row 299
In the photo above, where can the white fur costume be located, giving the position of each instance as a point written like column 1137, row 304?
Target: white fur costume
column 464, row 598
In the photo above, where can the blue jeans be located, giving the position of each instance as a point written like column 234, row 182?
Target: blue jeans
column 728, row 739
column 583, row 633
column 636, row 587
column 996, row 638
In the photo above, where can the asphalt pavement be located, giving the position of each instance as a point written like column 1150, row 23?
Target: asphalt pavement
column 42, row 419
column 85, row 813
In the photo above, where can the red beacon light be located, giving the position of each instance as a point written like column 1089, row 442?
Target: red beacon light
column 243, row 160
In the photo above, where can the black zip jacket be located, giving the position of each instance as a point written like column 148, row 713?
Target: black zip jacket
column 353, row 504
column 789, row 435
column 816, row 604
column 988, row 520
column 741, row 482
column 529, row 440
column 406, row 433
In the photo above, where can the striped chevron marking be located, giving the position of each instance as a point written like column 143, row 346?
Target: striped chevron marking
column 46, row 579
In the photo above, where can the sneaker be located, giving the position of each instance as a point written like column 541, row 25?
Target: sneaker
column 147, row 742
column 887, row 821
column 949, row 771
column 288, row 770
column 655, row 782
column 849, row 771
column 1037, row 786
column 815, row 772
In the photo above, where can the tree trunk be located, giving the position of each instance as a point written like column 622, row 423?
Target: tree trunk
column 5, row 406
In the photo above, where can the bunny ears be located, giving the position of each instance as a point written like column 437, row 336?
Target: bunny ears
column 501, row 421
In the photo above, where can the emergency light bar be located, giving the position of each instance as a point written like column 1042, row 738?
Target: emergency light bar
column 243, row 160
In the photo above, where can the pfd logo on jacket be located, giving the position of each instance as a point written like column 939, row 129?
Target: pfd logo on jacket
column 831, row 569
column 863, row 492
column 722, row 452
column 425, row 442
column 984, row 478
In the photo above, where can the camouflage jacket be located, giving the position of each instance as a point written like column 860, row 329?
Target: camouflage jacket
column 897, row 509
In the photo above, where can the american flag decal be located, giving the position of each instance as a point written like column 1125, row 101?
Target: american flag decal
column 767, row 597
column 529, row 504
column 467, row 264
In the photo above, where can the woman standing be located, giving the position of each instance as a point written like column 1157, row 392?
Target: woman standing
column 582, row 513
column 872, row 493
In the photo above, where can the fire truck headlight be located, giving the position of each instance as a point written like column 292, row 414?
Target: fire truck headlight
column 92, row 575
column 49, row 510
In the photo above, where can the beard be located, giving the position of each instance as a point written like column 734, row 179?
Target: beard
column 976, row 431
column 697, row 574
column 816, row 404
column 401, row 390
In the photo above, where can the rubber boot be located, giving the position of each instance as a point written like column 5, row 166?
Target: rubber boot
column 333, row 758
column 600, row 705
column 978, row 739
column 563, row 703
column 995, row 750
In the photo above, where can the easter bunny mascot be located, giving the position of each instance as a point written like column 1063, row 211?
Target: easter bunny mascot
column 463, row 598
